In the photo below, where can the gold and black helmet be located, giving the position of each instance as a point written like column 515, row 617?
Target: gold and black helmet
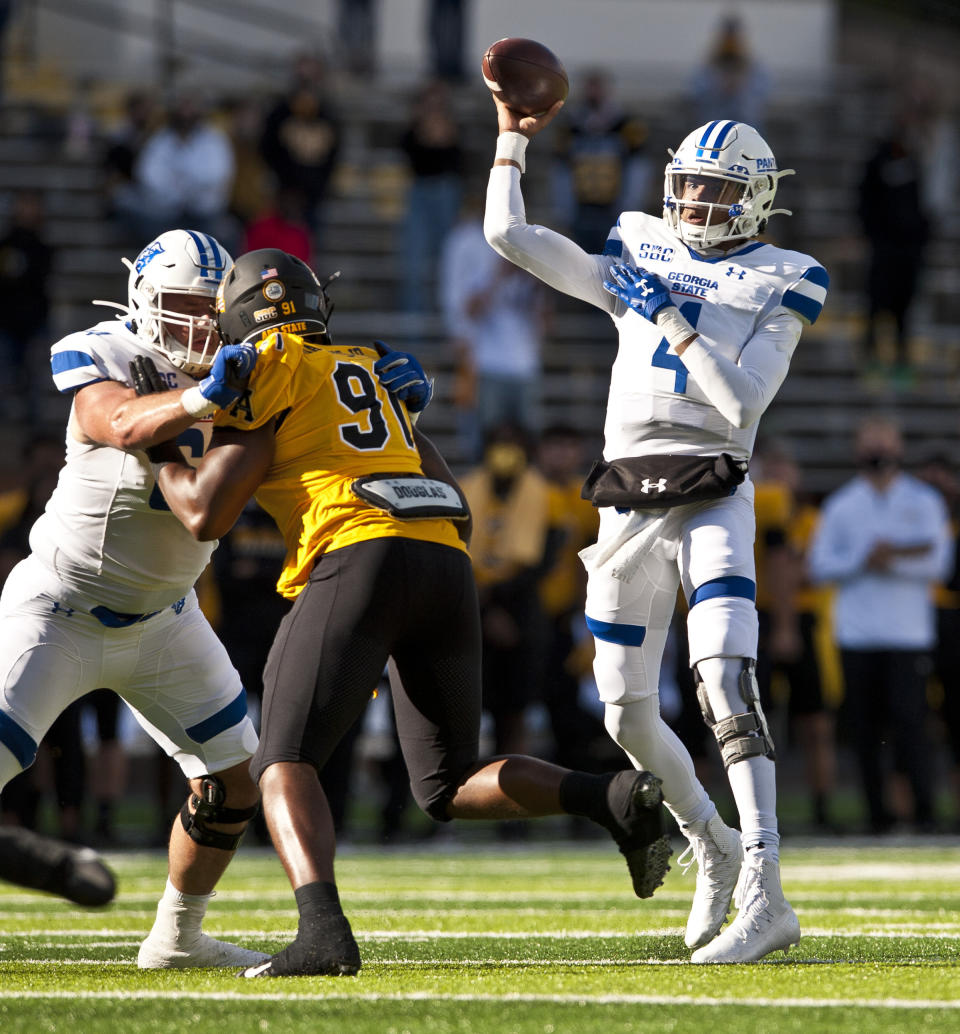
column 270, row 289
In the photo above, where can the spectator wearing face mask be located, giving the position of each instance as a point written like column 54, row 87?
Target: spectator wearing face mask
column 510, row 503
column 884, row 541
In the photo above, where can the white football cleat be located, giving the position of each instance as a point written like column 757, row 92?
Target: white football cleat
column 765, row 921
column 156, row 953
column 718, row 854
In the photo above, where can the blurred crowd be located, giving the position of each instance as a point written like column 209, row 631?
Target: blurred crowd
column 859, row 665
column 870, row 718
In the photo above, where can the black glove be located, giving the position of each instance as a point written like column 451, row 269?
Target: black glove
column 146, row 379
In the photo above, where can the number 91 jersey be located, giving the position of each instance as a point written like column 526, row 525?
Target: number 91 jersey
column 334, row 423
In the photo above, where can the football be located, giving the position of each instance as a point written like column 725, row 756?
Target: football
column 526, row 75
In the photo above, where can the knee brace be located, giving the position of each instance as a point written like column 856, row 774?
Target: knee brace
column 742, row 734
column 208, row 808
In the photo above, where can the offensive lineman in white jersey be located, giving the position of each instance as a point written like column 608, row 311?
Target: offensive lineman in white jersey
column 106, row 596
column 708, row 318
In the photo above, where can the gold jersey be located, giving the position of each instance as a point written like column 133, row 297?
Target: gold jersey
column 772, row 504
column 333, row 423
column 578, row 521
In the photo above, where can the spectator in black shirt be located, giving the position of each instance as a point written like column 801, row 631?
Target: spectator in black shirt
column 897, row 229
column 433, row 148
column 301, row 139
column 25, row 260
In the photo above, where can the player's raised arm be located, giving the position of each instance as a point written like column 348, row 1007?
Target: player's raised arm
column 548, row 255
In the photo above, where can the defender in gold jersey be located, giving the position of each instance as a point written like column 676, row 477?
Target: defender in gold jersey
column 377, row 568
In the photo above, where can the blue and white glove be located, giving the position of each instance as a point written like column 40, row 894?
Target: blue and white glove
column 644, row 292
column 228, row 376
column 402, row 375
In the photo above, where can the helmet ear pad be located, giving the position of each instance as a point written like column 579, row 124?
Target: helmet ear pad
column 268, row 289
column 737, row 155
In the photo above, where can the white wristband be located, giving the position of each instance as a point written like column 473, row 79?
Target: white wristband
column 675, row 328
column 195, row 404
column 513, row 146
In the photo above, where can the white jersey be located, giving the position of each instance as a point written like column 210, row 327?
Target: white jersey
column 107, row 533
column 748, row 307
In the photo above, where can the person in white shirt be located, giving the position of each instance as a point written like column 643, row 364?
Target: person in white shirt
column 884, row 540
column 182, row 177
column 106, row 597
column 708, row 317
column 495, row 314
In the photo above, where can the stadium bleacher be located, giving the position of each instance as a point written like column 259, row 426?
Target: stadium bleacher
column 825, row 140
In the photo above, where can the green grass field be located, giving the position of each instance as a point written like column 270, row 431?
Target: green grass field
column 475, row 937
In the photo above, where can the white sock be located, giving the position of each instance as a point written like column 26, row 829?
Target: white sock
column 754, row 785
column 179, row 915
column 652, row 745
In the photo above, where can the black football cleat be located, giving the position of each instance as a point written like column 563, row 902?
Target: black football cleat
column 636, row 804
column 67, row 870
column 335, row 954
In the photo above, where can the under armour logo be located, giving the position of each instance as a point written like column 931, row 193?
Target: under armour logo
column 647, row 485
column 733, row 271
column 58, row 608
column 645, row 289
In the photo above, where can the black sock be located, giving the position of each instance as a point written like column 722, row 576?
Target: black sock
column 324, row 943
column 582, row 793
column 318, row 901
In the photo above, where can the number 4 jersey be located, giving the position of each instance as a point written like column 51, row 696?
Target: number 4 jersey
column 106, row 532
column 334, row 423
column 757, row 295
column 748, row 306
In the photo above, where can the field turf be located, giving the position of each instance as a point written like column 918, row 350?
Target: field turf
column 476, row 938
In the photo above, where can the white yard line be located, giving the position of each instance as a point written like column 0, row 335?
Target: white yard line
column 573, row 999
column 125, row 903
column 465, row 963
column 57, row 938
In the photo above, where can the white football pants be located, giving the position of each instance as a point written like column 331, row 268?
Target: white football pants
column 171, row 669
column 707, row 550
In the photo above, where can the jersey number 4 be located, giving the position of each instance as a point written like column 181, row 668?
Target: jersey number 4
column 666, row 361
column 357, row 390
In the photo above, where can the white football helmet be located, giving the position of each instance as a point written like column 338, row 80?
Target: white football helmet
column 731, row 177
column 177, row 262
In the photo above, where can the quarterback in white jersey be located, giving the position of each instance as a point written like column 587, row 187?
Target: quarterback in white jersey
column 106, row 597
column 708, row 318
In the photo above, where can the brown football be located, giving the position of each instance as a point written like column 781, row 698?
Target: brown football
column 525, row 74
